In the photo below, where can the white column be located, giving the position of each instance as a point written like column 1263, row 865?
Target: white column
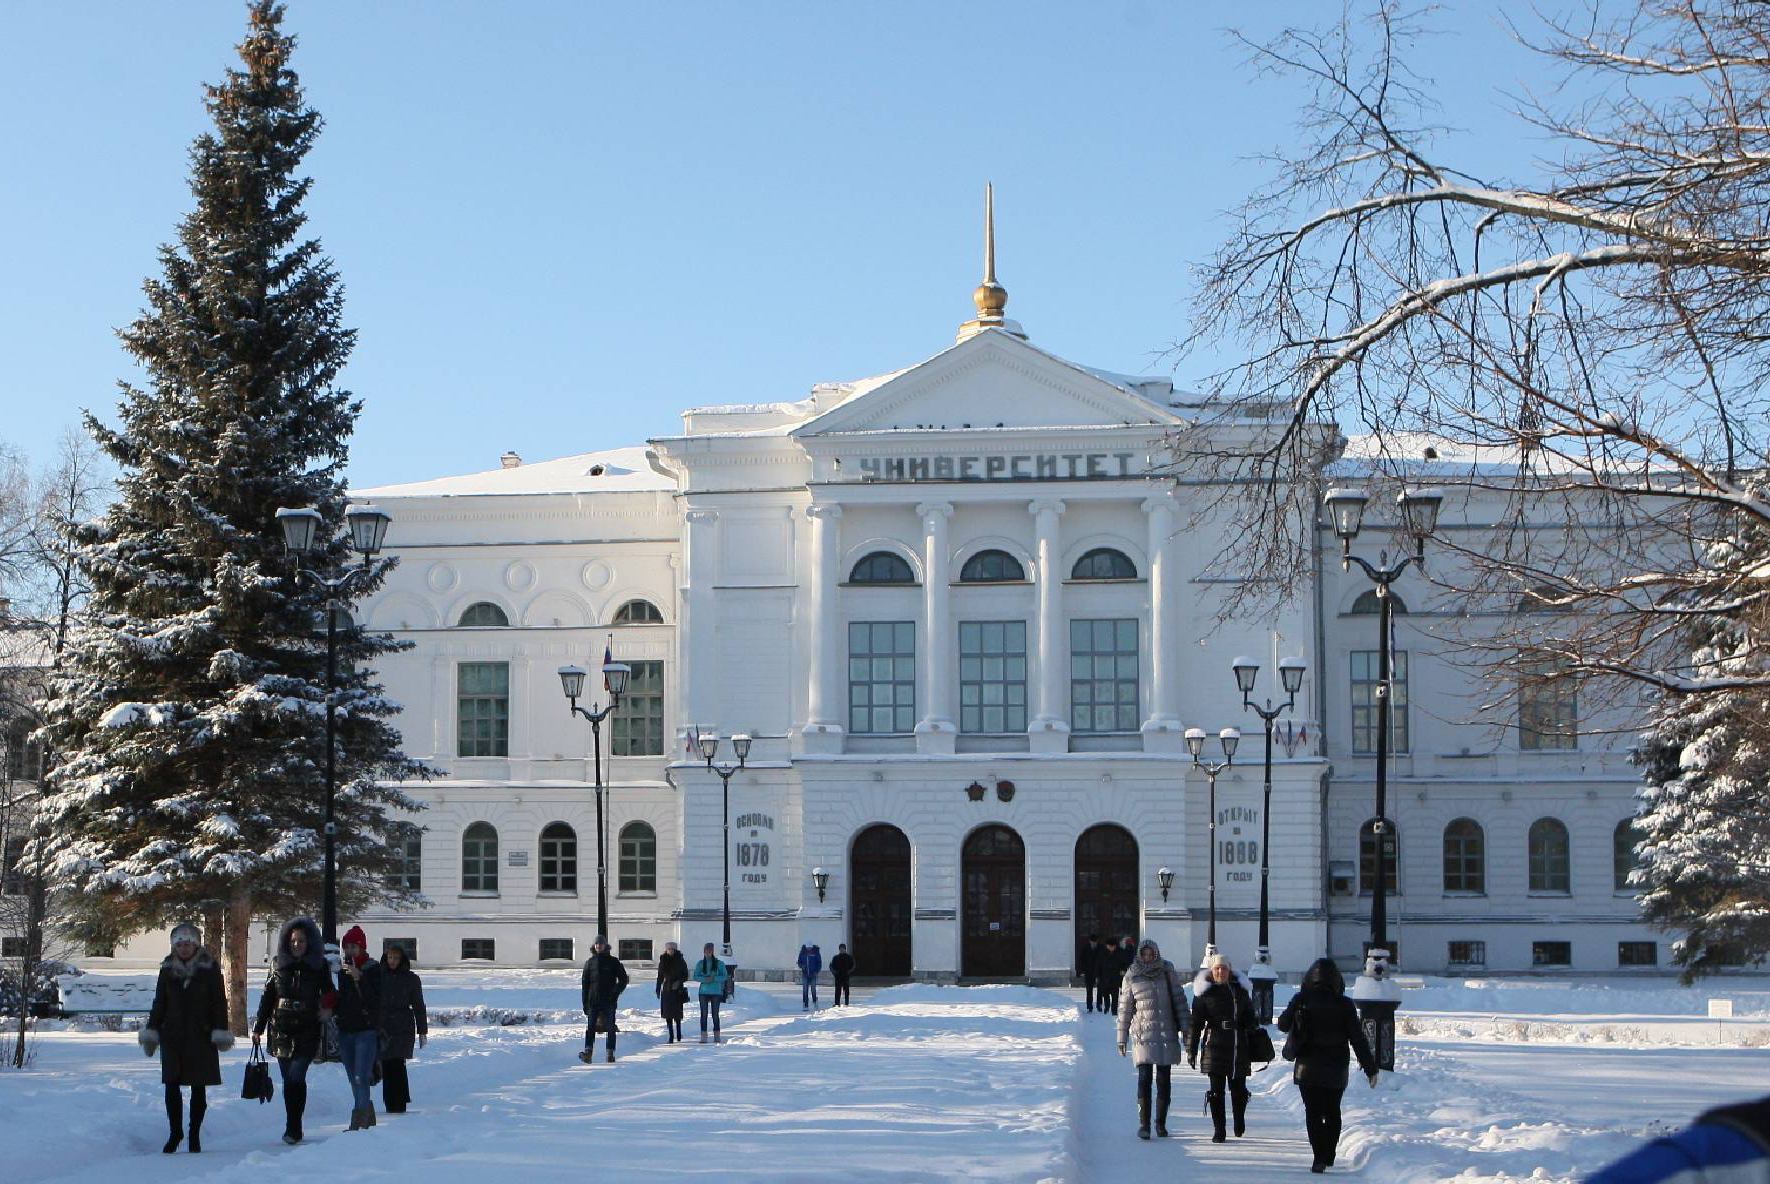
column 702, row 676
column 1161, row 728
column 824, row 704
column 1048, row 731
column 936, row 732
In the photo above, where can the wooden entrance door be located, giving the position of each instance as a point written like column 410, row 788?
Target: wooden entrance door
column 993, row 941
column 879, row 903
column 1106, row 884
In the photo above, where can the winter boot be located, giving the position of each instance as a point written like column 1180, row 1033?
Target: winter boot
column 703, row 1037
column 294, row 1102
column 174, row 1118
column 356, row 1121
column 173, row 1141
column 610, row 1058
column 369, row 1116
column 1239, row 1104
column 1214, row 1103
column 1161, row 1117
column 196, row 1135
column 1142, row 1118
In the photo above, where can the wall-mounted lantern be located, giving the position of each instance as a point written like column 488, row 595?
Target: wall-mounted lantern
column 1165, row 877
column 822, row 879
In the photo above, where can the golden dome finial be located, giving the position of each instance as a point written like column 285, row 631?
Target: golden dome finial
column 990, row 297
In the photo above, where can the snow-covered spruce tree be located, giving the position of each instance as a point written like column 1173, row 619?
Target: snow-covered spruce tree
column 188, row 726
column 1704, row 852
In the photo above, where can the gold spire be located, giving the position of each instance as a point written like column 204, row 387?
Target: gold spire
column 990, row 297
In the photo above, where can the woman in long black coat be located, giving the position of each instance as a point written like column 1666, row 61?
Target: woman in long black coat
column 403, row 1023
column 296, row 1002
column 1223, row 1020
column 1323, row 1025
column 188, row 1025
column 672, row 989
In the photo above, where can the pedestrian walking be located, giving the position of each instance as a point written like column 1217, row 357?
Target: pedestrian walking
column 1118, row 958
column 1151, row 1022
column 188, row 1027
column 358, row 1012
column 404, row 1023
column 1322, row 1024
column 604, row 980
column 713, row 976
column 811, row 964
column 1091, row 965
column 1223, row 1020
column 841, row 970
column 295, row 1004
column 672, row 990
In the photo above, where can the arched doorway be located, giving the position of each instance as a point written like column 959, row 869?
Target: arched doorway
column 1106, row 884
column 993, row 940
column 879, row 902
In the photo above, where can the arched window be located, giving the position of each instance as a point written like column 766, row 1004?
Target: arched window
column 1367, row 857
column 991, row 567
column 1104, row 563
column 559, row 858
column 1624, row 857
column 479, row 858
column 1465, row 857
column 1367, row 604
column 638, row 612
column 639, row 858
column 1550, row 860
column 483, row 613
column 882, row 567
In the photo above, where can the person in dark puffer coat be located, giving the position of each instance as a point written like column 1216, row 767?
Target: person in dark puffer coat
column 404, row 1022
column 1223, row 1019
column 297, row 1001
column 600, row 990
column 672, row 990
column 188, row 1025
column 1324, row 1024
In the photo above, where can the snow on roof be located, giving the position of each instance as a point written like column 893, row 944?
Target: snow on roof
column 1426, row 455
column 612, row 470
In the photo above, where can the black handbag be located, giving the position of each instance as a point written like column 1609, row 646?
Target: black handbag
column 1293, row 1041
column 1260, row 1046
column 257, row 1083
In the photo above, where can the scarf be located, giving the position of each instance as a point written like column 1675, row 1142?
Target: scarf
column 1154, row 968
column 182, row 969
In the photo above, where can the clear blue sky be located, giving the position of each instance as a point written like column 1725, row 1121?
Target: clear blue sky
column 558, row 224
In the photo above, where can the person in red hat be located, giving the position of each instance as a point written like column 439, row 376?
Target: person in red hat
column 358, row 1013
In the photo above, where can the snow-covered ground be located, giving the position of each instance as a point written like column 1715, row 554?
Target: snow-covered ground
column 1499, row 1082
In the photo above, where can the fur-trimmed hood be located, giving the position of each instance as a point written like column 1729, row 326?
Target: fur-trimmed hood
column 315, row 955
column 201, row 960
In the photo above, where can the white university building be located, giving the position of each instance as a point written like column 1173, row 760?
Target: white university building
column 967, row 633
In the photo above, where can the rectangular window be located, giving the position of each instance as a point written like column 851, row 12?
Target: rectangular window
column 1548, row 710
column 634, row 949
column 482, row 709
column 992, row 676
column 1637, row 953
column 411, row 853
column 881, row 677
column 1364, row 701
column 1468, row 953
column 1551, row 953
column 639, row 859
column 12, row 947
column 100, row 948
column 639, row 720
column 478, row 947
column 12, row 879
column 408, row 944
column 556, row 949
column 1103, row 676
column 24, row 758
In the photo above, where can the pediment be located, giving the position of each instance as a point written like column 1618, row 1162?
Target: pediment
column 989, row 380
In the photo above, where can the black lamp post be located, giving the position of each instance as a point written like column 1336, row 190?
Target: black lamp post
column 1290, row 672
column 1375, row 991
column 740, row 744
column 571, row 680
column 368, row 530
column 1195, row 744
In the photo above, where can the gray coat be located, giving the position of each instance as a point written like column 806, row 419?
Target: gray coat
column 1152, row 1011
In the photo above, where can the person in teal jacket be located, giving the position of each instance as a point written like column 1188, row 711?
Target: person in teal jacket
column 713, row 976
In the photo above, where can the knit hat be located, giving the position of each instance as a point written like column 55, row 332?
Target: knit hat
column 1216, row 960
column 185, row 931
column 355, row 936
column 599, row 941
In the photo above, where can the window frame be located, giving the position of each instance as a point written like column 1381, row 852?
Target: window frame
column 862, row 715
column 1130, row 567
column 627, row 949
column 625, row 614
column 907, row 580
column 1652, row 948
column 491, row 949
column 1541, row 867
column 1367, row 836
column 1556, row 701
column 1400, row 736
column 1477, row 948
column 1540, row 949
column 1624, row 860
column 541, row 954
column 974, row 569
column 496, row 740
column 1083, row 692
column 475, row 832
column 976, row 663
column 503, row 621
column 621, row 741
column 556, row 863
column 1464, row 858
column 635, row 884
column 410, row 852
